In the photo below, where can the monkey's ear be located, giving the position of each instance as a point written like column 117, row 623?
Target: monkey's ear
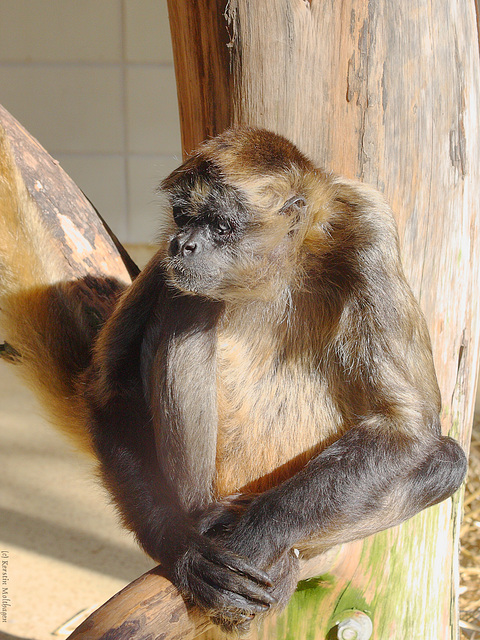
column 293, row 204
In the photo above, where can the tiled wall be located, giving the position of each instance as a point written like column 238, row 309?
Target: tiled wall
column 93, row 80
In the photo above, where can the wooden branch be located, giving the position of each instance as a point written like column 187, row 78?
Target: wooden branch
column 54, row 251
column 80, row 241
column 151, row 607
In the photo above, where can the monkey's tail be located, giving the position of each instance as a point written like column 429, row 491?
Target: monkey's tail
column 47, row 320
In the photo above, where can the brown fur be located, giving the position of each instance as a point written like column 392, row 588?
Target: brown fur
column 48, row 323
column 29, row 315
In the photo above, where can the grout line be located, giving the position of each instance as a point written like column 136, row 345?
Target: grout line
column 123, row 38
column 87, row 63
column 176, row 155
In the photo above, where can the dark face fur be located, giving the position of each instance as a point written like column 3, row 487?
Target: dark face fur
column 211, row 224
column 228, row 242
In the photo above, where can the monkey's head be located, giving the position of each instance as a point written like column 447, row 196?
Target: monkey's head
column 240, row 210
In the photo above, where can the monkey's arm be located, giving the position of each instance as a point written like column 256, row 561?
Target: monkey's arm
column 391, row 462
column 371, row 479
column 139, row 478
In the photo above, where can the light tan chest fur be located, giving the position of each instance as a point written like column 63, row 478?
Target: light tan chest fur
column 274, row 415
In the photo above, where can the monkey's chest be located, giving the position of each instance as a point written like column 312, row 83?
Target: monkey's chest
column 272, row 419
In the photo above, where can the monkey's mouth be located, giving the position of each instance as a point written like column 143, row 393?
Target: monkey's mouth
column 191, row 279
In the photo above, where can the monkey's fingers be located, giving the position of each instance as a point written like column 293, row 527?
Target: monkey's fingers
column 237, row 564
column 240, row 589
column 226, row 585
column 230, row 604
column 227, row 608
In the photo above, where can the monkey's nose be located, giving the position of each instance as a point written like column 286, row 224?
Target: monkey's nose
column 185, row 244
column 189, row 248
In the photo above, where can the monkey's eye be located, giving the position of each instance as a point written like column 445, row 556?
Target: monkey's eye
column 179, row 215
column 221, row 227
column 177, row 211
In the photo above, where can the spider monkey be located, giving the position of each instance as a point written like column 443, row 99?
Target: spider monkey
column 265, row 387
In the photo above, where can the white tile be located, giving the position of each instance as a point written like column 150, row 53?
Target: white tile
column 144, row 175
column 49, row 30
column 67, row 107
column 103, row 180
column 147, row 31
column 152, row 110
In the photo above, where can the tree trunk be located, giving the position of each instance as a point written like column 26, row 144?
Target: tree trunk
column 388, row 93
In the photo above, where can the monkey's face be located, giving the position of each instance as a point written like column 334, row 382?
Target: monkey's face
column 209, row 224
column 222, row 246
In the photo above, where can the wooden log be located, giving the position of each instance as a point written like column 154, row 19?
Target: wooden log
column 388, row 93
column 79, row 241
column 53, row 246
column 148, row 608
column 199, row 34
column 151, row 608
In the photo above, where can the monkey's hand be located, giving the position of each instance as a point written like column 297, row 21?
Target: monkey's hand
column 226, row 586
column 220, row 521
